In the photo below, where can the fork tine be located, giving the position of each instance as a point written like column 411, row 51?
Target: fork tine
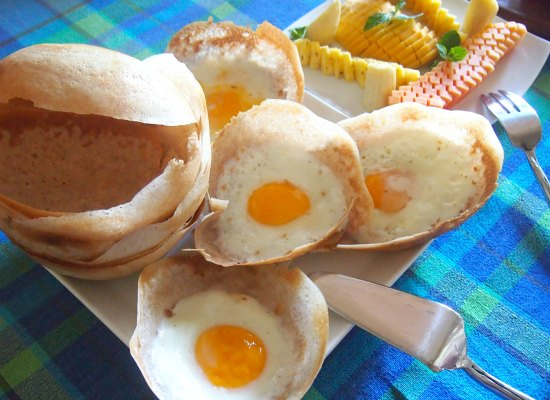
column 518, row 101
column 494, row 106
column 504, row 102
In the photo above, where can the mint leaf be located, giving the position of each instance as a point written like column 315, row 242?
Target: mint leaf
column 442, row 50
column 450, row 39
column 298, row 33
column 457, row 53
column 400, row 4
column 377, row 19
column 449, row 48
column 383, row 18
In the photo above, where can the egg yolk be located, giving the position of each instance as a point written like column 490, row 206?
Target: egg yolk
column 277, row 203
column 224, row 102
column 230, row 356
column 387, row 190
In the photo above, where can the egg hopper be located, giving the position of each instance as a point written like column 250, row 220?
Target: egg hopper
column 237, row 66
column 459, row 148
column 320, row 147
column 285, row 292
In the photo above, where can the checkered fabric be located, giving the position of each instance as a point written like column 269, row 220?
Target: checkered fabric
column 494, row 270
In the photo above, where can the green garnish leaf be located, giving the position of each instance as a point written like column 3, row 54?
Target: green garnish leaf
column 450, row 39
column 457, row 53
column 400, row 4
column 298, row 33
column 384, row 18
column 442, row 50
column 377, row 19
column 449, row 48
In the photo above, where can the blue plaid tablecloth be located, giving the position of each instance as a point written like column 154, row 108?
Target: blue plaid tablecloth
column 494, row 270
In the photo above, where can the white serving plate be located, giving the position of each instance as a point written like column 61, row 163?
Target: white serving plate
column 114, row 302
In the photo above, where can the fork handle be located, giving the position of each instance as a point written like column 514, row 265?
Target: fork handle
column 506, row 391
column 539, row 173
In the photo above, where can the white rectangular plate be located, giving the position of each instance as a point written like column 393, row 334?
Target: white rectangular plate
column 114, row 302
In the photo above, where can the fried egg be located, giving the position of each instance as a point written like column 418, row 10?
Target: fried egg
column 238, row 67
column 289, row 180
column 220, row 345
column 426, row 169
column 208, row 332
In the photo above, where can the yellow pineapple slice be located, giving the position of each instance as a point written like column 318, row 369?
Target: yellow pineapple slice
column 479, row 14
column 341, row 64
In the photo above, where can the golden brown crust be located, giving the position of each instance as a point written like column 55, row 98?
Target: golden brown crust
column 86, row 79
column 198, row 35
column 278, row 37
column 198, row 38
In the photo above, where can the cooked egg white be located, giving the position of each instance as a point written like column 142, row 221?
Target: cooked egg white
column 418, row 183
column 238, row 67
column 279, row 198
column 426, row 169
column 220, row 345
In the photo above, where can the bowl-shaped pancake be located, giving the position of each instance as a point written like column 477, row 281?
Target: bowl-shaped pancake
column 239, row 67
column 98, row 148
column 427, row 170
column 289, row 181
column 285, row 295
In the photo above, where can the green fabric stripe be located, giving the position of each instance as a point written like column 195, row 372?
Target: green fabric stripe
column 118, row 39
column 313, row 394
column 6, row 389
column 94, row 24
column 27, row 361
column 520, row 333
column 542, row 83
column 21, row 367
column 477, row 306
column 67, row 332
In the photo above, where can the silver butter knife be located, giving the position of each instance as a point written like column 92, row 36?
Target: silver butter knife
column 430, row 332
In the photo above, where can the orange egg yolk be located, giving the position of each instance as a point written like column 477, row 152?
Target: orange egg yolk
column 224, row 102
column 388, row 197
column 230, row 356
column 277, row 203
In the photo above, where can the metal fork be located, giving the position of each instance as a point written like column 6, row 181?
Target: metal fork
column 522, row 125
